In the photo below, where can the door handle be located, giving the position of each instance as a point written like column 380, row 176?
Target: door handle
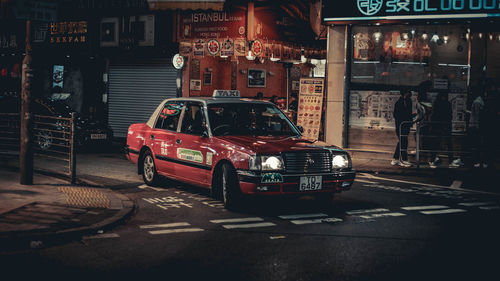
column 152, row 137
column 178, row 141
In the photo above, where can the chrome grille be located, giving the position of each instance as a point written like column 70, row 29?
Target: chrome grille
column 307, row 162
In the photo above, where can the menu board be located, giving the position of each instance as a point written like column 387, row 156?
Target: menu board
column 310, row 106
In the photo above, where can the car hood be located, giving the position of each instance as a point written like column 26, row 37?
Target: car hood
column 277, row 144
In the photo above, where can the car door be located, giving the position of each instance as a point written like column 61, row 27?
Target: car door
column 163, row 137
column 192, row 145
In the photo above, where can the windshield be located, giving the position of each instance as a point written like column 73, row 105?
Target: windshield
column 249, row 119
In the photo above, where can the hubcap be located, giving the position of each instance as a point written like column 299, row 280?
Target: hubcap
column 148, row 168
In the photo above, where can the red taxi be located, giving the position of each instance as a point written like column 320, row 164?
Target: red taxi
column 235, row 147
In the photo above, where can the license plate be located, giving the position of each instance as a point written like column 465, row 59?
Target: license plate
column 310, row 183
column 98, row 136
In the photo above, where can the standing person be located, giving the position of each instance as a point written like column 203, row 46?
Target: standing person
column 474, row 131
column 402, row 117
column 441, row 130
column 422, row 118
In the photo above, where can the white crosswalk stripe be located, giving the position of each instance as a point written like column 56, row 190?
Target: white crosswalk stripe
column 475, row 204
column 233, row 223
column 365, row 211
column 169, row 228
column 301, row 219
column 420, row 208
column 443, row 211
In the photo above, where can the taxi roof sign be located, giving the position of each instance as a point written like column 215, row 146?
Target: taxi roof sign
column 226, row 94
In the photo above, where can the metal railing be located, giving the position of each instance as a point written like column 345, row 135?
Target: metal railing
column 53, row 138
column 431, row 137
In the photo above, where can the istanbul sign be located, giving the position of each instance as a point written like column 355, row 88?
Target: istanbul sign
column 359, row 10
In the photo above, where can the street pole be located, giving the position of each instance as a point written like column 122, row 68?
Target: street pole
column 26, row 150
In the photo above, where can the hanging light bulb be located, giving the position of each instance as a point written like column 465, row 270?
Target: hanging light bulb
column 377, row 36
column 425, row 36
column 435, row 37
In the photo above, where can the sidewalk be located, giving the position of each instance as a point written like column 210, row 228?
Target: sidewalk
column 52, row 209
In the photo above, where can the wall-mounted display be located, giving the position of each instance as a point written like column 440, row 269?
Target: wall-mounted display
column 256, row 78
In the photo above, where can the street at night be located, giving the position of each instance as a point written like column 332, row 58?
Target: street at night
column 387, row 227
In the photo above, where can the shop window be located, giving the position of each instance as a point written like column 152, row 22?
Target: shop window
column 404, row 55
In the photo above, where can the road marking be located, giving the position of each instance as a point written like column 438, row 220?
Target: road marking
column 102, row 236
column 166, row 225
column 248, row 225
column 328, row 220
column 496, row 207
column 419, row 208
column 237, row 220
column 445, row 211
column 302, row 216
column 144, row 186
column 365, row 181
column 357, row 212
column 179, row 230
column 372, row 216
column 368, row 176
column 475, row 204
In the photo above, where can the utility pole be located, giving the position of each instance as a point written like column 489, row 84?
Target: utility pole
column 26, row 148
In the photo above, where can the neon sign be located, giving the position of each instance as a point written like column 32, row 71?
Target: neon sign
column 360, row 10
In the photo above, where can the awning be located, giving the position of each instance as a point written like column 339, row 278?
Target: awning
column 216, row 5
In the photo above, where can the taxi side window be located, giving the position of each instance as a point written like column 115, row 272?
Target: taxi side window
column 193, row 121
column 169, row 116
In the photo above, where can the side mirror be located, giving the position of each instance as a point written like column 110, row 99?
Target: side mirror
column 301, row 129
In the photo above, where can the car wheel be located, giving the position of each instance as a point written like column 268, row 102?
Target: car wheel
column 231, row 195
column 44, row 139
column 149, row 174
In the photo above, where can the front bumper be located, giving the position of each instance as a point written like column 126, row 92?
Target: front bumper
column 252, row 183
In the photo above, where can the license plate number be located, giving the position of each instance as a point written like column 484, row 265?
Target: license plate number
column 98, row 136
column 310, row 183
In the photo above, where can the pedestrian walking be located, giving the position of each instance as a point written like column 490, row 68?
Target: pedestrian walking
column 403, row 119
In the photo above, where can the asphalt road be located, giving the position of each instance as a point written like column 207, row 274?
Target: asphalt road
column 385, row 228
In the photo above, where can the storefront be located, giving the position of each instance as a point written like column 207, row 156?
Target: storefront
column 250, row 49
column 139, row 74
column 377, row 49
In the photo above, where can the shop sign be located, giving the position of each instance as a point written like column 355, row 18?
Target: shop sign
column 199, row 47
column 359, row 10
column 70, row 32
column 310, row 106
column 212, row 24
column 213, row 47
column 8, row 41
column 227, row 48
column 257, row 47
column 185, row 47
column 178, row 61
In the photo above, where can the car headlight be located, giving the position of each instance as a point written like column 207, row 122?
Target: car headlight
column 266, row 163
column 340, row 161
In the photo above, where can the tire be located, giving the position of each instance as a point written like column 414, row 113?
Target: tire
column 229, row 187
column 149, row 174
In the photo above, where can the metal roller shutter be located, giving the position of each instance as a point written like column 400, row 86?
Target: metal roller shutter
column 135, row 90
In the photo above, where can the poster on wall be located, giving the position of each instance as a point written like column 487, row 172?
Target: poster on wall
column 310, row 106
column 227, row 47
column 185, row 47
column 373, row 109
column 240, row 47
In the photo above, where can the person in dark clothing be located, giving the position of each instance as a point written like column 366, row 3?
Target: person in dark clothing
column 403, row 117
column 441, row 129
